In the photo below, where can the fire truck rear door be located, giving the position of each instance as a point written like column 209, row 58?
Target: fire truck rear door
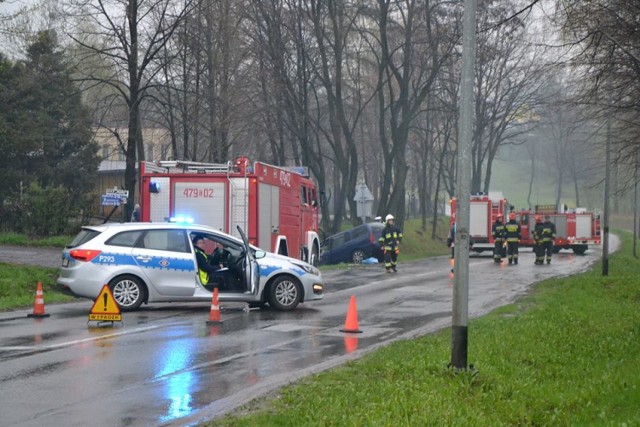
column 204, row 202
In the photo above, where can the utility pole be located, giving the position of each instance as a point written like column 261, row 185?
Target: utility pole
column 605, row 211
column 635, row 208
column 460, row 321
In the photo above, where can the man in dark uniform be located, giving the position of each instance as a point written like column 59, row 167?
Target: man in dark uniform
column 548, row 236
column 498, row 233
column 513, row 238
column 538, row 249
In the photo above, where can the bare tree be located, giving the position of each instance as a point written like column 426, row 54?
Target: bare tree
column 416, row 38
column 129, row 35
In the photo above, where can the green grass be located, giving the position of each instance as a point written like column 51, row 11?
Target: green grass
column 18, row 285
column 7, row 238
column 567, row 355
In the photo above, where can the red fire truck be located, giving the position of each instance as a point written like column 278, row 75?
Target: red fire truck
column 276, row 206
column 483, row 211
column 575, row 229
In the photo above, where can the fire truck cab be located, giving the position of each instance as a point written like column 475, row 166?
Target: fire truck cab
column 276, row 206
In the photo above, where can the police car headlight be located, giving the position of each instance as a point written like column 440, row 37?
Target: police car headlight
column 309, row 269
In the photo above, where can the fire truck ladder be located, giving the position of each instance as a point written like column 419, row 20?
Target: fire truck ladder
column 186, row 166
column 239, row 204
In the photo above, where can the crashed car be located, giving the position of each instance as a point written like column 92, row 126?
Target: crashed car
column 156, row 262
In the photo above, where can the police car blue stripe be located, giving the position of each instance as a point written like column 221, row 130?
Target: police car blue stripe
column 160, row 263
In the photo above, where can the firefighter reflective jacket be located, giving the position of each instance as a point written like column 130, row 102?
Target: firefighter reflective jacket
column 498, row 231
column 513, row 231
column 548, row 231
column 390, row 237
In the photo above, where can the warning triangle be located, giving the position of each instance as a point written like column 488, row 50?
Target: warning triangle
column 105, row 307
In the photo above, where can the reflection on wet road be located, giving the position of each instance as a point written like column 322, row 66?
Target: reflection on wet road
column 165, row 366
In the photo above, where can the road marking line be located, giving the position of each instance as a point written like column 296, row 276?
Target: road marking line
column 81, row 341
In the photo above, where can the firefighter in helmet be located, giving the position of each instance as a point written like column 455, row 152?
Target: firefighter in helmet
column 512, row 235
column 548, row 236
column 390, row 242
column 538, row 248
column 498, row 232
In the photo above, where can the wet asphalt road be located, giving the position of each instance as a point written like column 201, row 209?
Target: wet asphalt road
column 165, row 366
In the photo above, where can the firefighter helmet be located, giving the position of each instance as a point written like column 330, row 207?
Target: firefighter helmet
column 538, row 218
column 512, row 216
column 499, row 217
column 388, row 217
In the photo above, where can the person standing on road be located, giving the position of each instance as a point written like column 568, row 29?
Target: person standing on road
column 390, row 243
column 451, row 239
column 538, row 249
column 513, row 238
column 548, row 236
column 498, row 233
column 135, row 215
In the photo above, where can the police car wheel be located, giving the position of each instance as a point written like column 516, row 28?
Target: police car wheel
column 357, row 256
column 128, row 291
column 284, row 293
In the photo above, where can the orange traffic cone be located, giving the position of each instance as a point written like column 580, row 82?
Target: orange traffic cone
column 38, row 305
column 214, row 314
column 351, row 323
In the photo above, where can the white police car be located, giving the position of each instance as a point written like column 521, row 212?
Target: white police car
column 156, row 262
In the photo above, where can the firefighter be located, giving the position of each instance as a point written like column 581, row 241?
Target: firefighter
column 498, row 233
column 538, row 249
column 512, row 235
column 548, row 236
column 390, row 242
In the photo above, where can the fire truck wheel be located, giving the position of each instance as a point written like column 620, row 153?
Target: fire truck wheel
column 357, row 256
column 579, row 249
column 315, row 258
column 284, row 293
column 128, row 291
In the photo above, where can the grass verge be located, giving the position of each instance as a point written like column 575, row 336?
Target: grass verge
column 566, row 355
column 17, row 239
column 18, row 285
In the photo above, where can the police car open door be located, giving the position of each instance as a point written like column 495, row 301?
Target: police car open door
column 252, row 273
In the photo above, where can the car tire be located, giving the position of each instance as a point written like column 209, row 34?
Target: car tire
column 128, row 291
column 285, row 293
column 357, row 256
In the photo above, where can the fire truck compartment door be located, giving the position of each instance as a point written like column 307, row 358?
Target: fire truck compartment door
column 583, row 227
column 268, row 216
column 204, row 202
column 252, row 275
column 479, row 218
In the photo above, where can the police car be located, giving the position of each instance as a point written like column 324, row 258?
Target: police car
column 156, row 262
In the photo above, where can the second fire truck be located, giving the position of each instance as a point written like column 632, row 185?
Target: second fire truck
column 575, row 229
